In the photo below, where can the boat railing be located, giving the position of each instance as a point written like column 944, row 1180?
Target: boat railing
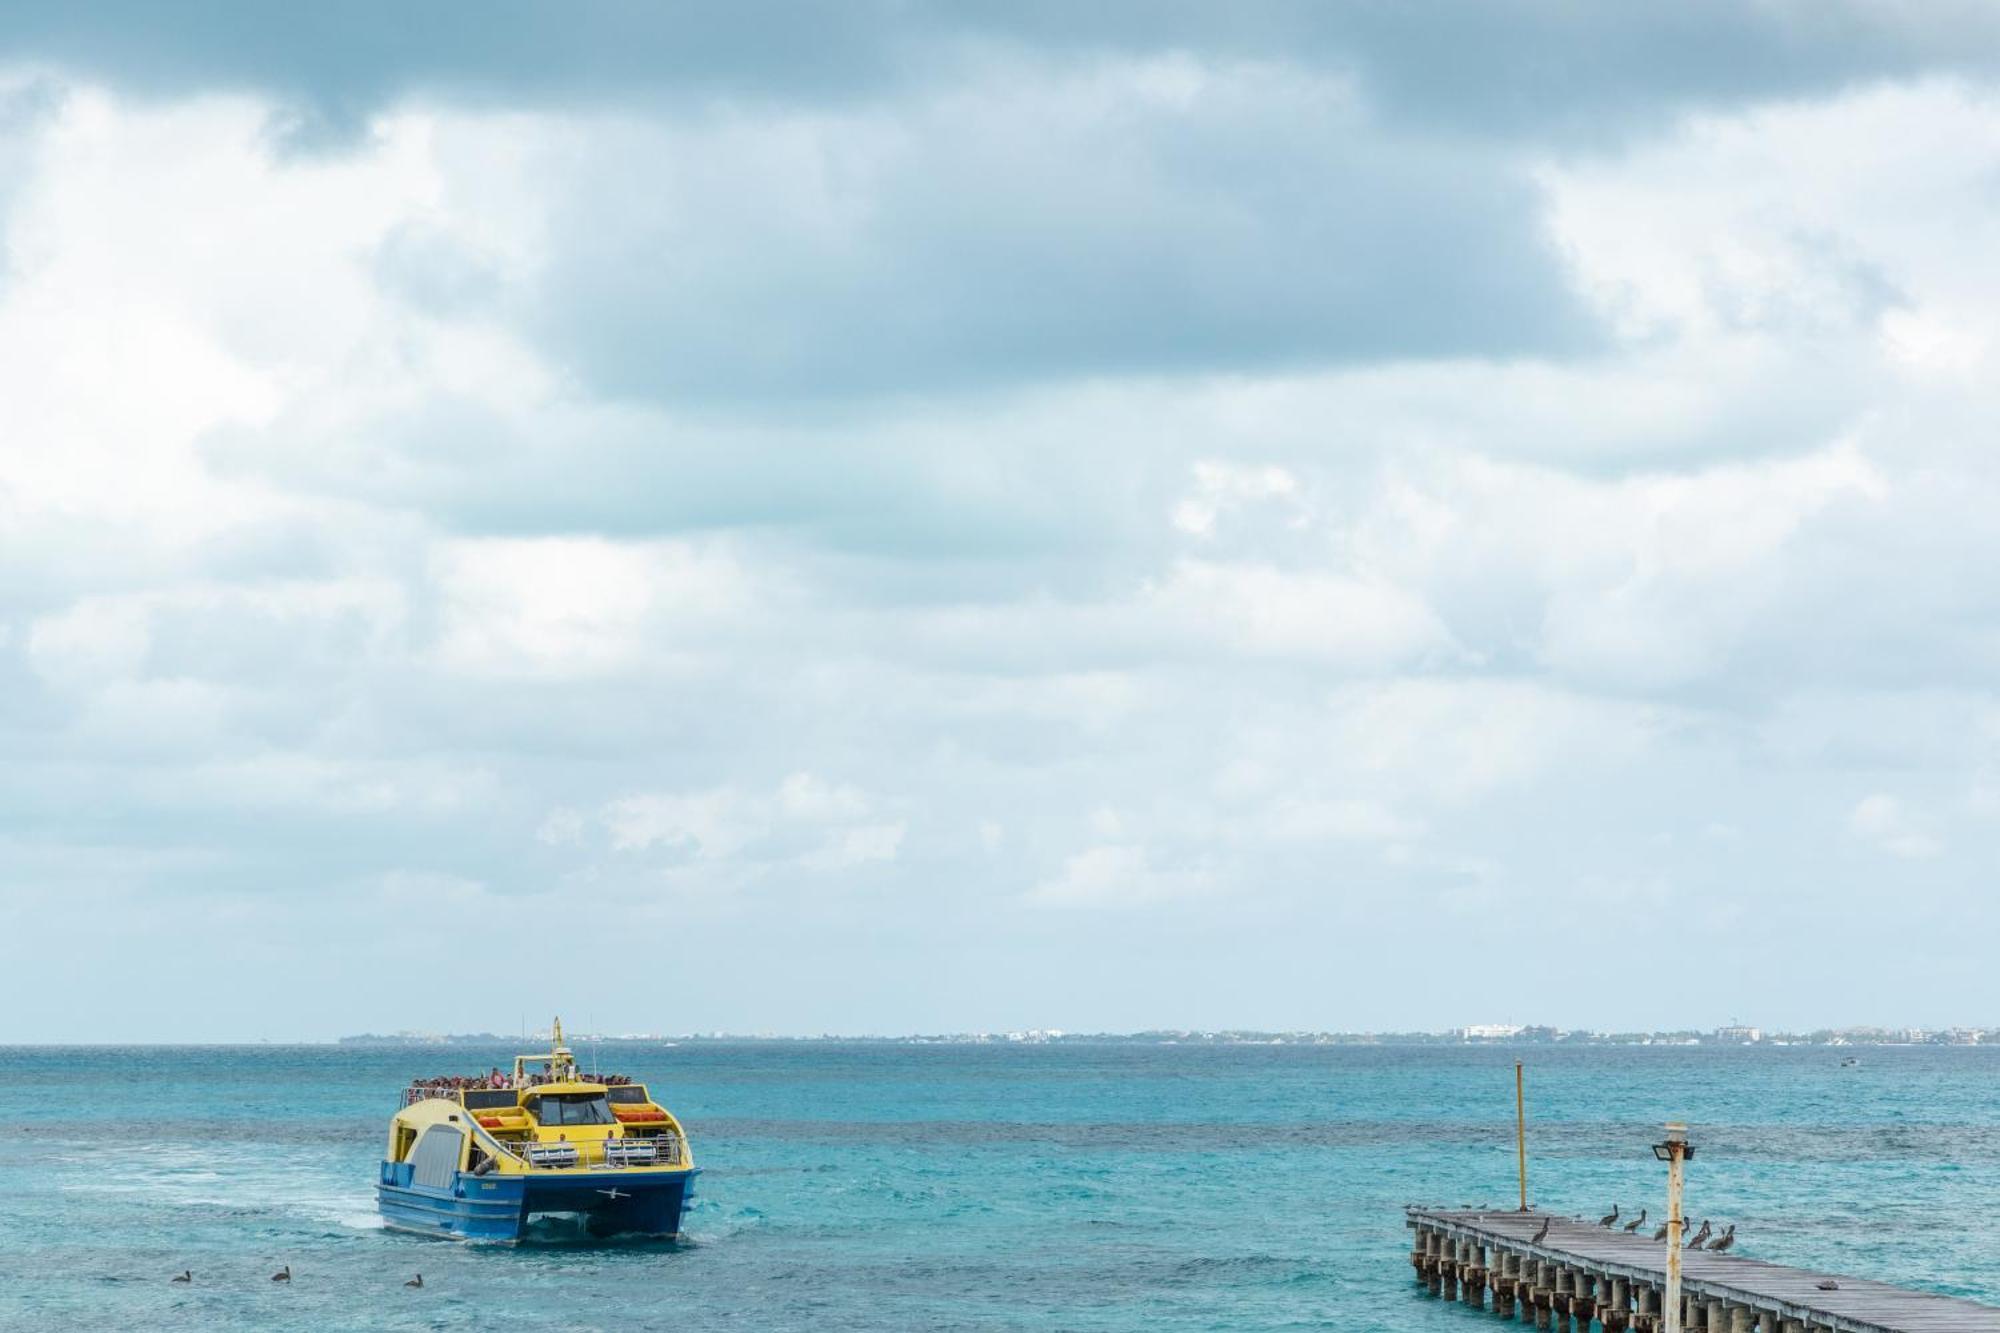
column 417, row 1092
column 664, row 1149
column 413, row 1095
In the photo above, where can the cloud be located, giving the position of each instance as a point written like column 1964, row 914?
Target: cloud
column 1324, row 616
column 1884, row 820
column 575, row 607
column 1223, row 488
column 1462, row 66
column 1049, row 509
column 805, row 825
column 1021, row 225
column 1113, row 875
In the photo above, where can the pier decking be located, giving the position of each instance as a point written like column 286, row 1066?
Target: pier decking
column 1584, row 1272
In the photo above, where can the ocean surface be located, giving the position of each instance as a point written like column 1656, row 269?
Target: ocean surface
column 975, row 1187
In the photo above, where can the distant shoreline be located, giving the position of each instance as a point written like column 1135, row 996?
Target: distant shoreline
column 1524, row 1039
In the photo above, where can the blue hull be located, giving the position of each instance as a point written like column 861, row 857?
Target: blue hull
column 497, row 1208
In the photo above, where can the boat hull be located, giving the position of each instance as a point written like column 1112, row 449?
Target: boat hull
column 498, row 1207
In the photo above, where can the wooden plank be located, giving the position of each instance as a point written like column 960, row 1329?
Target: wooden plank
column 1860, row 1305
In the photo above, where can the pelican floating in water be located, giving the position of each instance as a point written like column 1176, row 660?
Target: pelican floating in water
column 1609, row 1217
column 283, row 1274
column 187, row 1275
column 1636, row 1222
column 416, row 1281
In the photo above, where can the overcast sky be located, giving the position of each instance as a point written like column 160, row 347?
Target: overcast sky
column 886, row 518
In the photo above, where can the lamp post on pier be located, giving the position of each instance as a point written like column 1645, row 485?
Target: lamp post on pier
column 1675, row 1153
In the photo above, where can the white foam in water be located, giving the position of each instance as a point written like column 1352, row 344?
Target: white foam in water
column 356, row 1212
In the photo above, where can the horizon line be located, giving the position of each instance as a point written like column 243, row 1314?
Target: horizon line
column 1494, row 1035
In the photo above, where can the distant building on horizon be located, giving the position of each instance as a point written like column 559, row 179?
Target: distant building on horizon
column 1491, row 1031
column 1742, row 1036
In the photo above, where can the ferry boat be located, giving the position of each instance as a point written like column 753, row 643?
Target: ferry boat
column 474, row 1158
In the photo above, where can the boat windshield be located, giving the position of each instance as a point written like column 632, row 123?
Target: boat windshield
column 573, row 1108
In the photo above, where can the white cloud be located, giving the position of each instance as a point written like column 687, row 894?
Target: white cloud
column 857, row 846
column 1318, row 615
column 1313, row 819
column 1221, row 487
column 806, row 823
column 1892, row 826
column 1455, row 740
column 803, row 796
column 576, row 607
column 1114, row 875
column 352, row 550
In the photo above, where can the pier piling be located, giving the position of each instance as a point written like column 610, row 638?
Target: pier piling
column 1585, row 1277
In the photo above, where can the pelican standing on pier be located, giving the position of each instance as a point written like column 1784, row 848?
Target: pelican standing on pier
column 1541, row 1235
column 1700, row 1235
column 1636, row 1222
column 1724, row 1241
column 1609, row 1218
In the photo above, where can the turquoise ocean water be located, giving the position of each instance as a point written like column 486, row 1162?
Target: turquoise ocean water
column 1004, row 1187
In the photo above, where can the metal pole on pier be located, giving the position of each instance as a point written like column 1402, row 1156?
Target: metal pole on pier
column 1521, row 1134
column 1674, row 1152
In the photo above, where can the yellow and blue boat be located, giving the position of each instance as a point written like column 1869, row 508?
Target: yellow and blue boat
column 476, row 1158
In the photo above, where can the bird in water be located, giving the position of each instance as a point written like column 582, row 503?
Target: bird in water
column 1828, row 1285
column 187, row 1275
column 1724, row 1241
column 1609, row 1218
column 416, row 1281
column 1636, row 1222
column 283, row 1274
column 1542, row 1235
column 1701, row 1235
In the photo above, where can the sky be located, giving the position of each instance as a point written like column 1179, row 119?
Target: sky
column 893, row 517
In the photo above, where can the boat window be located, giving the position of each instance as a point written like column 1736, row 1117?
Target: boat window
column 573, row 1108
column 486, row 1100
column 628, row 1093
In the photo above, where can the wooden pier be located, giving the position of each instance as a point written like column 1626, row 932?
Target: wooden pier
column 1584, row 1272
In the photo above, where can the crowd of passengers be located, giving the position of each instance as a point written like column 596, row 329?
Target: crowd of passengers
column 496, row 1079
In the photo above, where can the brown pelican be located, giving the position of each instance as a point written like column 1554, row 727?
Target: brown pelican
column 1609, row 1217
column 186, row 1276
column 1636, row 1222
column 283, row 1274
column 1701, row 1235
column 1724, row 1241
column 1661, row 1233
column 1828, row 1285
column 416, row 1281
column 1541, row 1235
